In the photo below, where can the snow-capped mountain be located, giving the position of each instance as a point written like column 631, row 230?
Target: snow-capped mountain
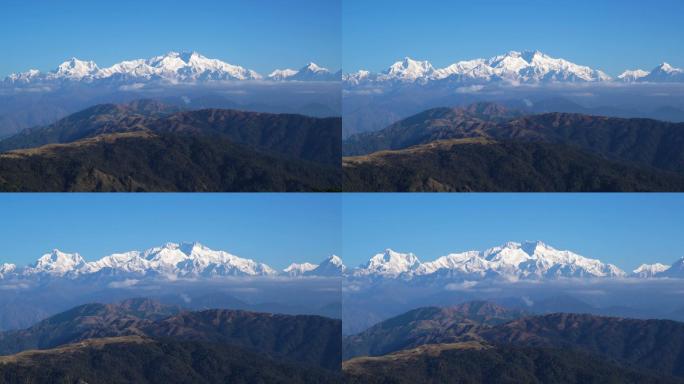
column 408, row 70
column 359, row 77
column 650, row 270
column 513, row 67
column 633, row 75
column 296, row 269
column 173, row 67
column 282, row 74
column 195, row 259
column 74, row 69
column 56, row 263
column 310, row 72
column 171, row 260
column 664, row 73
column 332, row 266
column 527, row 67
column 389, row 264
column 6, row 269
column 528, row 261
column 675, row 271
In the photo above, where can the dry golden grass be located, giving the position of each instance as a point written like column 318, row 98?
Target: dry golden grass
column 34, row 355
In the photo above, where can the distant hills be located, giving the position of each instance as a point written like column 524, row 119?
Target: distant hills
column 143, row 360
column 173, row 150
column 473, row 362
column 488, row 147
column 145, row 337
column 430, row 344
column 274, row 334
column 428, row 325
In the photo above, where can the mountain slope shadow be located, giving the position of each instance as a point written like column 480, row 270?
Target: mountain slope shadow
column 149, row 146
column 302, row 339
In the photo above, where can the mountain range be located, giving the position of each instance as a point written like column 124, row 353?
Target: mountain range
column 510, row 261
column 173, row 149
column 514, row 68
column 489, row 147
column 485, row 342
column 171, row 68
column 212, row 345
column 171, row 260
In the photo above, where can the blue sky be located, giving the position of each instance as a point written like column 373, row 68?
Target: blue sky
column 259, row 34
column 272, row 228
column 624, row 229
column 612, row 35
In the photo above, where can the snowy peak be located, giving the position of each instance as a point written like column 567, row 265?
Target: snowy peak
column 633, row 75
column 512, row 260
column 512, row 68
column 170, row 260
column 172, row 67
column 332, row 266
column 296, row 269
column 650, row 270
column 195, row 259
column 390, row 264
column 409, row 70
column 24, row 77
column 667, row 68
column 314, row 68
column 310, row 72
column 6, row 269
column 664, row 73
column 675, row 271
column 282, row 74
column 57, row 263
column 334, row 260
column 76, row 69
column 356, row 78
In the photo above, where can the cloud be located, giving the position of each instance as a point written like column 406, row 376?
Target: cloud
column 14, row 286
column 363, row 91
column 464, row 286
column 470, row 89
column 123, row 284
column 582, row 94
column 132, row 87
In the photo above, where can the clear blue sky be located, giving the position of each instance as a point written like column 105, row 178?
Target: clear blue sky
column 613, row 35
column 272, row 228
column 624, row 229
column 258, row 34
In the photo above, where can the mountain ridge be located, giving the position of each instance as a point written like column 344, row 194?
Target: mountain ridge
column 274, row 334
column 529, row 260
column 172, row 67
column 169, row 260
column 512, row 68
